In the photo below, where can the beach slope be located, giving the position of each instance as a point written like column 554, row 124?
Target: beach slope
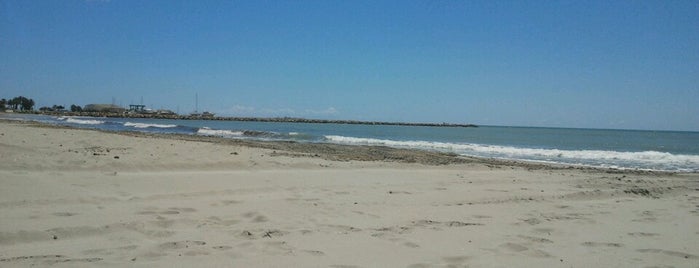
column 76, row 197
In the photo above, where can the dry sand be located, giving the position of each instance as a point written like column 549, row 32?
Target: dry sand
column 72, row 197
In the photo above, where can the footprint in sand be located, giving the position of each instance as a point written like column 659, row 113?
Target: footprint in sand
column 535, row 239
column 230, row 202
column 315, row 252
column 181, row 244
column 140, row 227
column 419, row 265
column 461, row 224
column 513, row 247
column 260, row 218
column 669, row 253
column 261, row 234
column 195, row 253
column 273, row 233
column 343, row 229
column 547, row 231
column 163, row 223
column 256, row 217
column 64, row 214
column 532, row 221
column 277, row 248
column 411, row 245
column 524, row 250
column 109, row 251
column 183, row 248
column 216, row 221
column 247, row 235
column 646, row 216
column 602, row 244
column 45, row 260
column 642, row 234
column 456, row 259
column 169, row 211
column 183, row 210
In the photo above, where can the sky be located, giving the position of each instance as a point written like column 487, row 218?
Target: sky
column 586, row 64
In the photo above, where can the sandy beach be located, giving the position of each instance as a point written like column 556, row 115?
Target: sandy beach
column 76, row 197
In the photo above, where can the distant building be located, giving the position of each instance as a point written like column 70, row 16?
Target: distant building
column 165, row 112
column 137, row 108
column 103, row 108
column 202, row 115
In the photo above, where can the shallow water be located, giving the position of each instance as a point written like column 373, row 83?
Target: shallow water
column 626, row 149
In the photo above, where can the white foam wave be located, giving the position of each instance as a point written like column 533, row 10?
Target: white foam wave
column 645, row 160
column 83, row 121
column 219, row 132
column 143, row 125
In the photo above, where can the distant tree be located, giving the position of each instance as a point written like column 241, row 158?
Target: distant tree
column 16, row 102
column 45, row 109
column 21, row 103
column 58, row 108
column 12, row 103
column 27, row 104
column 76, row 108
column 3, row 102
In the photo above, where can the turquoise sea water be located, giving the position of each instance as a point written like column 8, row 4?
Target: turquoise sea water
column 625, row 149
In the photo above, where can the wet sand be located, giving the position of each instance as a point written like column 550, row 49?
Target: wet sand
column 75, row 197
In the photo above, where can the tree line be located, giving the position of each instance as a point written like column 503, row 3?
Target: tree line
column 17, row 103
column 61, row 108
column 22, row 103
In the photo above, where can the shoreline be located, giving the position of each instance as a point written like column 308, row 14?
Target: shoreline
column 342, row 152
column 81, row 197
column 249, row 119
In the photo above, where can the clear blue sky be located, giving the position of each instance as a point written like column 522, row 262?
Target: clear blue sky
column 599, row 64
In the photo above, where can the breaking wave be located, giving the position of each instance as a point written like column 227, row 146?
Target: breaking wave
column 248, row 134
column 205, row 131
column 143, row 125
column 82, row 121
column 651, row 160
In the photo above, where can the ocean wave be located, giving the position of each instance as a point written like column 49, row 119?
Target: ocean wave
column 143, row 125
column 82, row 121
column 652, row 160
column 205, row 131
column 298, row 136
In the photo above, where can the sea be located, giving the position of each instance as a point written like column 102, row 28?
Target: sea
column 674, row 151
